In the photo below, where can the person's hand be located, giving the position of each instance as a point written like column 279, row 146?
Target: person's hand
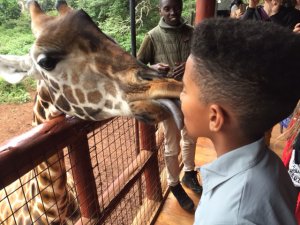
column 161, row 68
column 297, row 28
column 238, row 13
column 253, row 3
column 271, row 7
column 178, row 71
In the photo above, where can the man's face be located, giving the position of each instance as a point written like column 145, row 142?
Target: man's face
column 195, row 111
column 171, row 10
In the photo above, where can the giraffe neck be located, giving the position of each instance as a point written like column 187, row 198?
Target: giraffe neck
column 51, row 174
column 50, row 191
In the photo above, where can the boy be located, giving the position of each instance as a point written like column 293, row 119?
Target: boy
column 233, row 97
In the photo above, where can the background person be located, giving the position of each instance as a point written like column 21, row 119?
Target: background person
column 166, row 48
column 237, row 9
column 281, row 12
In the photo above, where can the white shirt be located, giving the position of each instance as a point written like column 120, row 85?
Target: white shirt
column 248, row 185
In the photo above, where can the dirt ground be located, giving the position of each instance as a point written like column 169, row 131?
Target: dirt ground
column 14, row 119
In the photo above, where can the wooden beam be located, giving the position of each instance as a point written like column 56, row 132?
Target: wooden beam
column 204, row 9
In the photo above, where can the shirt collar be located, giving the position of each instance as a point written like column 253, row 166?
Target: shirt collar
column 164, row 25
column 231, row 163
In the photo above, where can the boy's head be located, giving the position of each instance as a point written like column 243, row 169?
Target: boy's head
column 171, row 11
column 247, row 72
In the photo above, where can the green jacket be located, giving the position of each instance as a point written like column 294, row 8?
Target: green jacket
column 166, row 44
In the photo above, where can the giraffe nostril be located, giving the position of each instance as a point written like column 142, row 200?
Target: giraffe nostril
column 47, row 62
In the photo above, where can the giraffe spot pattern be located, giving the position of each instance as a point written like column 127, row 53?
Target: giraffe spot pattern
column 75, row 78
column 64, row 77
column 54, row 84
column 94, row 97
column 92, row 112
column 101, row 66
column 45, row 104
column 80, row 95
column 87, row 118
column 108, row 104
column 118, row 105
column 47, row 196
column 52, row 91
column 63, row 103
column 69, row 94
column 41, row 112
column 51, row 212
column 33, row 189
column 39, row 220
column 44, row 94
column 89, row 84
column 44, row 177
column 44, row 76
column 78, row 110
column 110, row 88
column 43, row 166
column 64, row 201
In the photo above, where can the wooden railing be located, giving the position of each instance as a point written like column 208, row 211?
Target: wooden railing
column 138, row 189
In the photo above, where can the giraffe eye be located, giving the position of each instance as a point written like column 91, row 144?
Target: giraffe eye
column 47, row 62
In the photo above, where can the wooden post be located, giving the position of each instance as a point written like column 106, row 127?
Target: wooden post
column 152, row 177
column 84, row 178
column 204, row 9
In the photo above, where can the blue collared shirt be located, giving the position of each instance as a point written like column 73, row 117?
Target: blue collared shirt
column 248, row 185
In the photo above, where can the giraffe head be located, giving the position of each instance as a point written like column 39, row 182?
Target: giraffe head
column 88, row 75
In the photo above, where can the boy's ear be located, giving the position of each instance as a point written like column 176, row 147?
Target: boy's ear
column 216, row 117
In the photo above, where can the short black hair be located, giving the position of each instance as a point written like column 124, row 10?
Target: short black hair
column 252, row 66
column 160, row 2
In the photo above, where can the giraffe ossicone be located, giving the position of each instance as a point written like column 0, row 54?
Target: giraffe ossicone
column 87, row 74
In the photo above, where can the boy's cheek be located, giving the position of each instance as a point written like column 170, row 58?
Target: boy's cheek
column 180, row 97
column 191, row 128
column 182, row 101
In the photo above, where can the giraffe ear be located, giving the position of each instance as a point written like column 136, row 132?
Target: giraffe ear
column 14, row 69
column 62, row 7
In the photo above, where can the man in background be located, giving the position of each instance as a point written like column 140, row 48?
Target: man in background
column 166, row 48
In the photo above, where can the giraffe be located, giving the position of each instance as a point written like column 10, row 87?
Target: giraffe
column 84, row 73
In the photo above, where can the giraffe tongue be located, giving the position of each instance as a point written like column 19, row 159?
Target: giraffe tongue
column 174, row 109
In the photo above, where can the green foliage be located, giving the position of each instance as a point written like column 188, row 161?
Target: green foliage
column 117, row 29
column 9, row 9
column 47, row 5
column 114, row 19
column 189, row 10
column 16, row 93
column 16, row 37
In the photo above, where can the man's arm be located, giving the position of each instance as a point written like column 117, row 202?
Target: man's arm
column 146, row 51
column 146, row 55
column 250, row 11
